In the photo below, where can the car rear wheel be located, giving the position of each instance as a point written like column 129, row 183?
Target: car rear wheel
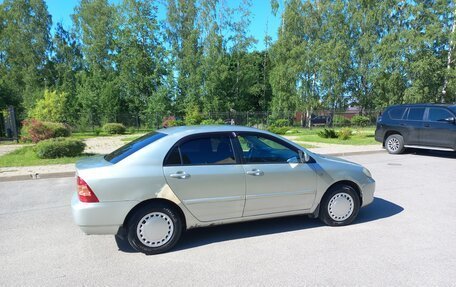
column 340, row 205
column 394, row 144
column 154, row 229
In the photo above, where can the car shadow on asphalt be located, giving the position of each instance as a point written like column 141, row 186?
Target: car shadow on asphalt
column 431, row 153
column 192, row 238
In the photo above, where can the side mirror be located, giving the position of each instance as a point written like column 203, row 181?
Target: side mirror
column 303, row 156
column 451, row 120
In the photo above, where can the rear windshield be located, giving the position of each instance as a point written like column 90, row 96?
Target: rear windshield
column 132, row 147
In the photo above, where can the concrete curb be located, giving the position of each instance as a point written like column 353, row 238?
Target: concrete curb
column 37, row 176
column 72, row 173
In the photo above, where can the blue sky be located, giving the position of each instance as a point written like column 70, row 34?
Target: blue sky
column 261, row 15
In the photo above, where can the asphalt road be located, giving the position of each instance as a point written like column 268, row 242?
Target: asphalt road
column 407, row 237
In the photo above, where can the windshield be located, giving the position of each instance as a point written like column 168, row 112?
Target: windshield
column 132, row 147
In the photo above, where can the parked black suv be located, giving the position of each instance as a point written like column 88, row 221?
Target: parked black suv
column 417, row 126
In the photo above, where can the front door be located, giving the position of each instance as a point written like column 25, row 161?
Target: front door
column 276, row 181
column 203, row 173
column 439, row 129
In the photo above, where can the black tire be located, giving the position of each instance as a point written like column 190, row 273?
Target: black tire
column 166, row 217
column 394, row 144
column 344, row 192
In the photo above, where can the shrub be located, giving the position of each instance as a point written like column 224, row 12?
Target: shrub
column 52, row 107
column 281, row 123
column 171, row 121
column 360, row 121
column 193, row 117
column 345, row 134
column 59, row 147
column 34, row 130
column 212, row 122
column 327, row 134
column 114, row 128
column 59, row 130
column 340, row 121
column 278, row 130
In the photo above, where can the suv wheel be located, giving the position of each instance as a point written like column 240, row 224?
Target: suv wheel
column 394, row 144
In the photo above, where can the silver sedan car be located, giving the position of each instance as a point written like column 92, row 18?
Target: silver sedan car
column 174, row 179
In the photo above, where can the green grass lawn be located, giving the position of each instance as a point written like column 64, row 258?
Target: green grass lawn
column 361, row 136
column 25, row 156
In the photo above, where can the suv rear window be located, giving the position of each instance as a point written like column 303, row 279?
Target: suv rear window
column 415, row 114
column 396, row 113
column 132, row 147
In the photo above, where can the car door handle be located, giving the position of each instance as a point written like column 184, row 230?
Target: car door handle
column 255, row 172
column 180, row 175
column 427, row 125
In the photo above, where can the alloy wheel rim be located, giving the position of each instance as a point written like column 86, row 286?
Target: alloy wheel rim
column 155, row 229
column 340, row 206
column 393, row 144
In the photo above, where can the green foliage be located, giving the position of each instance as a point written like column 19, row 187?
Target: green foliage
column 59, row 147
column 212, row 122
column 52, row 107
column 34, row 130
column 193, row 117
column 118, row 59
column 341, row 121
column 278, row 130
column 344, row 134
column 328, row 134
column 360, row 121
column 281, row 123
column 114, row 128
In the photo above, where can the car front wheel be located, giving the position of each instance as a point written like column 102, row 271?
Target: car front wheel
column 394, row 144
column 154, row 229
column 340, row 205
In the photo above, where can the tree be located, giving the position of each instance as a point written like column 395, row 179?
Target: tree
column 98, row 89
column 184, row 35
column 142, row 60
column 24, row 44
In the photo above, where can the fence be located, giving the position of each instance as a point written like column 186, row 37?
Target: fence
column 254, row 119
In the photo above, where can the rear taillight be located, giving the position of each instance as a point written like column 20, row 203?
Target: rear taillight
column 85, row 193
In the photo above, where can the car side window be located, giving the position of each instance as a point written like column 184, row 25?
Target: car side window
column 259, row 149
column 396, row 113
column 415, row 114
column 439, row 115
column 205, row 150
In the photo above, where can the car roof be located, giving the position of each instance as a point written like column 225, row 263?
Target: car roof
column 186, row 130
column 423, row 105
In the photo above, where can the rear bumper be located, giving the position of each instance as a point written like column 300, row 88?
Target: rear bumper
column 100, row 217
column 379, row 134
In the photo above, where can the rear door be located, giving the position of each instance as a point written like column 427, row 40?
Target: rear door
column 275, row 179
column 205, row 175
column 413, row 125
column 439, row 130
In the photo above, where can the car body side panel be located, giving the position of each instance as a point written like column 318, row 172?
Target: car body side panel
column 282, row 187
column 210, row 192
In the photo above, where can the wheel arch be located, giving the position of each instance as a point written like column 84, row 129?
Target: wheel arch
column 157, row 201
column 349, row 183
